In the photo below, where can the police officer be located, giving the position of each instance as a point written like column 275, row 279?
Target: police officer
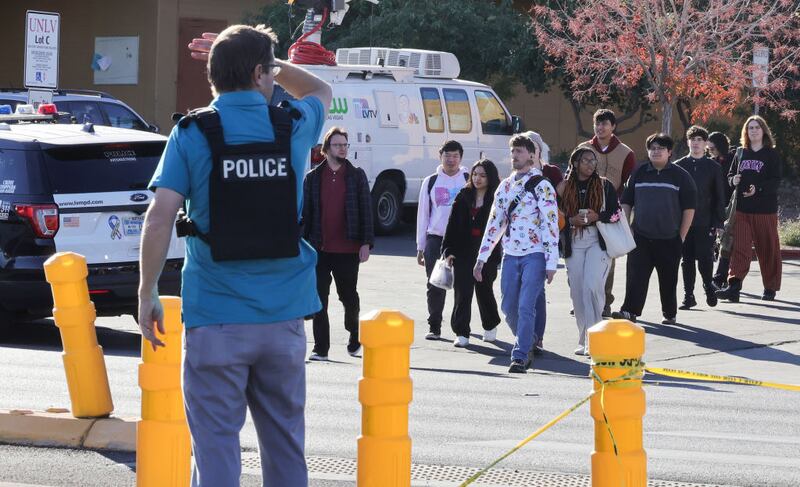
column 248, row 278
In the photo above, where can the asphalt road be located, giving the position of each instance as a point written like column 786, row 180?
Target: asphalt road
column 467, row 410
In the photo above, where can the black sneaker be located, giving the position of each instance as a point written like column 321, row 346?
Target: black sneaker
column 531, row 356
column 669, row 321
column 688, row 302
column 517, row 367
column 769, row 295
column 353, row 346
column 624, row 315
column 572, row 312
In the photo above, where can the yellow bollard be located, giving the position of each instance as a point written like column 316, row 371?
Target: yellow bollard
column 163, row 447
column 616, row 347
column 384, row 447
column 74, row 315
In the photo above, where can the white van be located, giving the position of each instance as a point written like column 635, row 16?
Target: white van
column 399, row 106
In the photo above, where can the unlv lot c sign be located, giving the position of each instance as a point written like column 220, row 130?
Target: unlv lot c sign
column 41, row 49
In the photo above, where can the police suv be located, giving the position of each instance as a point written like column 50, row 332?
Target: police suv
column 399, row 106
column 79, row 188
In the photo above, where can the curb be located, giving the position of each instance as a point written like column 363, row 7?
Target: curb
column 59, row 428
column 790, row 253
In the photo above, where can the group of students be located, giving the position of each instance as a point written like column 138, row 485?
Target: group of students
column 482, row 225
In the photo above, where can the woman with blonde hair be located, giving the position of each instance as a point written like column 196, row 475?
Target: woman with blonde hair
column 755, row 177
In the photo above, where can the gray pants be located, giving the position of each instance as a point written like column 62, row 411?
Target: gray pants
column 227, row 368
column 587, row 269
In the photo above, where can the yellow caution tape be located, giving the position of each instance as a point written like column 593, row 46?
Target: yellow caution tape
column 524, row 442
column 682, row 374
column 635, row 371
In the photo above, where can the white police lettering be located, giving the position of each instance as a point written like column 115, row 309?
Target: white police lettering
column 255, row 168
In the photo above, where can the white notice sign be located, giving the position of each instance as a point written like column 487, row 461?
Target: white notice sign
column 41, row 49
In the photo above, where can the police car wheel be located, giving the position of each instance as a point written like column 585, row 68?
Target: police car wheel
column 387, row 206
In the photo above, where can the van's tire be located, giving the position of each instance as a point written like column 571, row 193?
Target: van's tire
column 387, row 205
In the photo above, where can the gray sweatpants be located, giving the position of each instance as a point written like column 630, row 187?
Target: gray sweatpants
column 227, row 368
column 587, row 269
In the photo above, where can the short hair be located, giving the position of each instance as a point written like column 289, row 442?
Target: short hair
column 326, row 139
column 452, row 146
column 769, row 139
column 604, row 114
column 696, row 131
column 661, row 139
column 235, row 54
column 521, row 140
column 721, row 142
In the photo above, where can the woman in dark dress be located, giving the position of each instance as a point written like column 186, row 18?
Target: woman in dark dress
column 460, row 245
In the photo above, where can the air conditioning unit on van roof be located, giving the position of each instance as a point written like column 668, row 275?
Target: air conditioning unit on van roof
column 426, row 64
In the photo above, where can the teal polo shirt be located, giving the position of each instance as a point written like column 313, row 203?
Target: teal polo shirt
column 245, row 291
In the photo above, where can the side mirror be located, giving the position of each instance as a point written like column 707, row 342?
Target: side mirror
column 153, row 128
column 517, row 125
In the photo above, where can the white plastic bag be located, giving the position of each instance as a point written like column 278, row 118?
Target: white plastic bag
column 442, row 275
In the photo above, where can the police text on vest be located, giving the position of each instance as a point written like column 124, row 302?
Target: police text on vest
column 255, row 168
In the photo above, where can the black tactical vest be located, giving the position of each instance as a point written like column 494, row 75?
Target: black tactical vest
column 252, row 193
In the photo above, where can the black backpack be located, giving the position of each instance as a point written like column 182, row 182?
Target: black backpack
column 530, row 187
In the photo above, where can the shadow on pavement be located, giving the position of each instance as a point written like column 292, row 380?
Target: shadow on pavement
column 463, row 372
column 722, row 343
column 399, row 244
column 44, row 335
column 663, row 381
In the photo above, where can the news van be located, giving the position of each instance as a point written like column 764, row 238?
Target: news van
column 399, row 106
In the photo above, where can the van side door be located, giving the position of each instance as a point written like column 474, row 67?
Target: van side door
column 460, row 124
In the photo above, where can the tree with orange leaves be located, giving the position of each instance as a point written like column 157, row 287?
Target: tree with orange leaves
column 700, row 50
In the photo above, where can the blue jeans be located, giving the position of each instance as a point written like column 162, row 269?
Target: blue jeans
column 541, row 316
column 521, row 286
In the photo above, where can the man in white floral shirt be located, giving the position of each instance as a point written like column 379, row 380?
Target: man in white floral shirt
column 525, row 216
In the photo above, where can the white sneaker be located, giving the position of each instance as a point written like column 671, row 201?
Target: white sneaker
column 432, row 336
column 581, row 350
column 490, row 335
column 461, row 342
column 318, row 358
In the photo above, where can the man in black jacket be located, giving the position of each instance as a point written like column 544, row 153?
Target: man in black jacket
column 709, row 216
column 337, row 212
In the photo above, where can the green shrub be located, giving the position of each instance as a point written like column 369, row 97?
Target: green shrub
column 789, row 232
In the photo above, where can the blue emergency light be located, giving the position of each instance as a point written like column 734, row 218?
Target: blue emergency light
column 6, row 110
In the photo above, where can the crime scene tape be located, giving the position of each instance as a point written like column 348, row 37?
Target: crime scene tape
column 683, row 374
column 524, row 442
column 633, row 374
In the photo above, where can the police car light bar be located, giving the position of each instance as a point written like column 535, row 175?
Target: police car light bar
column 26, row 118
column 5, row 109
column 47, row 109
column 25, row 109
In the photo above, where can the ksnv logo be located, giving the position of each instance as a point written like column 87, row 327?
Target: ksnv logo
column 139, row 197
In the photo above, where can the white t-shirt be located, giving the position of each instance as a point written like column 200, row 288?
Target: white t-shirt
column 434, row 208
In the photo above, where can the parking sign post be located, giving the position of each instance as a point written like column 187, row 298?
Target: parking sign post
column 42, row 30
